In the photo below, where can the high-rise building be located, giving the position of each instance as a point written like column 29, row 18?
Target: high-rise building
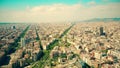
column 101, row 30
column 102, row 33
column 13, row 27
column 22, row 42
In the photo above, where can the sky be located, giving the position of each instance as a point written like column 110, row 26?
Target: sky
column 57, row 10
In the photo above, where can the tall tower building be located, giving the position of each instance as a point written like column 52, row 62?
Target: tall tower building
column 101, row 31
column 22, row 42
column 13, row 27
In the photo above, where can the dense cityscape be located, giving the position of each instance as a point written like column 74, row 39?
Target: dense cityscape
column 60, row 45
column 59, row 33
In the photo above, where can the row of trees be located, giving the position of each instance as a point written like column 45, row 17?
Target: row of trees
column 45, row 58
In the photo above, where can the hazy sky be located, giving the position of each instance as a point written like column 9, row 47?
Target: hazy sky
column 57, row 10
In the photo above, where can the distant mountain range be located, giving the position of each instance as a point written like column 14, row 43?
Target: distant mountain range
column 90, row 20
column 103, row 20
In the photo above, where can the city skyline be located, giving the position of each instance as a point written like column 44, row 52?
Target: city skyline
column 59, row 34
column 60, row 45
column 57, row 10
